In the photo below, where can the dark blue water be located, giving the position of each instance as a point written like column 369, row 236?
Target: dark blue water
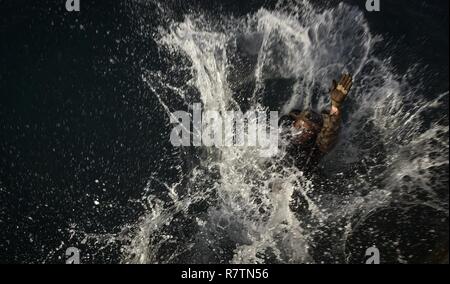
column 78, row 125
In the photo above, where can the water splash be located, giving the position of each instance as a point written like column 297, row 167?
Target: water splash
column 233, row 206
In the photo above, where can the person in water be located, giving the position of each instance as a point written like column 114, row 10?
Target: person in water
column 313, row 135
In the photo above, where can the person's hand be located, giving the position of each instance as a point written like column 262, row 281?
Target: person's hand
column 340, row 90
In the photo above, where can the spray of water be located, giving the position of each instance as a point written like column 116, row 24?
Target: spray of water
column 234, row 206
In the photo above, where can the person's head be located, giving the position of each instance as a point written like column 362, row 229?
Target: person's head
column 307, row 126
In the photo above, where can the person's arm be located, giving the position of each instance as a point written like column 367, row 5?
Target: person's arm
column 332, row 121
